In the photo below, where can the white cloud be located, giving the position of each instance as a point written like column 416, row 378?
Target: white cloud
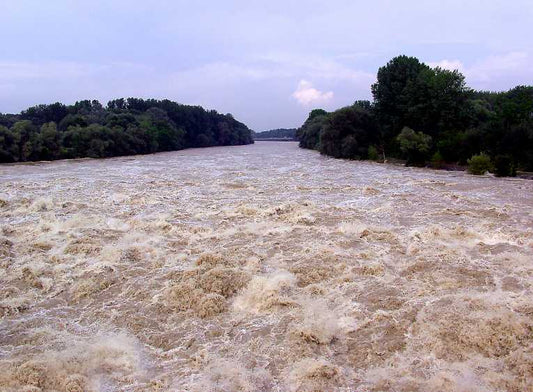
column 23, row 84
column 514, row 63
column 60, row 70
column 450, row 65
column 316, row 67
column 495, row 72
column 307, row 95
column 16, row 71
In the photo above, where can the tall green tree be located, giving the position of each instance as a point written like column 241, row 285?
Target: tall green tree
column 348, row 133
column 393, row 92
column 309, row 133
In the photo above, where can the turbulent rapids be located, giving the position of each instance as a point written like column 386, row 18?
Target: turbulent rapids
column 263, row 268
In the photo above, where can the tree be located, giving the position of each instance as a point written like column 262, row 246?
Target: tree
column 348, row 133
column 458, row 122
column 414, row 145
column 41, row 114
column 504, row 166
column 309, row 133
column 125, row 126
column 410, row 93
column 71, row 120
column 393, row 89
column 23, row 134
column 8, row 146
column 437, row 100
column 51, row 141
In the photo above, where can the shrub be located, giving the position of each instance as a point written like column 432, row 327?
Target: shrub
column 373, row 154
column 479, row 164
column 437, row 162
column 414, row 146
column 504, row 166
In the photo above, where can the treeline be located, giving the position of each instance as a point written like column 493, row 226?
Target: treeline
column 428, row 116
column 281, row 133
column 123, row 127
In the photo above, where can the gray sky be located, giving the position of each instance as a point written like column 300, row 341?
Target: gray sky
column 266, row 62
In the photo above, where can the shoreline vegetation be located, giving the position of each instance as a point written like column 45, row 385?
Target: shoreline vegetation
column 280, row 134
column 429, row 117
column 129, row 126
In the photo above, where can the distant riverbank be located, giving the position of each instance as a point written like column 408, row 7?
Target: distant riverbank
column 276, row 139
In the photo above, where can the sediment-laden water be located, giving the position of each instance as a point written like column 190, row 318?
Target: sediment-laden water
column 263, row 268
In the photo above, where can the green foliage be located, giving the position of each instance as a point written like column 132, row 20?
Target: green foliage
column 51, row 141
column 345, row 133
column 317, row 113
column 410, row 93
column 125, row 126
column 348, row 133
column 9, row 151
column 437, row 161
column 373, row 154
column 281, row 133
column 415, row 146
column 504, row 166
column 457, row 121
column 479, row 164
column 309, row 133
column 393, row 93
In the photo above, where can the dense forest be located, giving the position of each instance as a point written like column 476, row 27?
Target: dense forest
column 123, row 127
column 281, row 133
column 428, row 116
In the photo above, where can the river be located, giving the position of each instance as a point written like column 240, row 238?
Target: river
column 263, row 268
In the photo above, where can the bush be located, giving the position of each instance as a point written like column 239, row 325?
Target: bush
column 437, row 162
column 415, row 146
column 504, row 166
column 373, row 154
column 479, row 164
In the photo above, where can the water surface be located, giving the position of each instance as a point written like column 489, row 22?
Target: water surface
column 263, row 268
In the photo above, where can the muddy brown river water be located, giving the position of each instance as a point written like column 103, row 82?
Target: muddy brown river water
column 263, row 268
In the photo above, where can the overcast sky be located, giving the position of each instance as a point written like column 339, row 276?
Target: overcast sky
column 266, row 62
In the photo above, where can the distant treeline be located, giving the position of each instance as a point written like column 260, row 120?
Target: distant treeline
column 123, row 127
column 281, row 133
column 426, row 116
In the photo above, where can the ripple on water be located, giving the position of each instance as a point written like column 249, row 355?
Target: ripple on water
column 262, row 267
